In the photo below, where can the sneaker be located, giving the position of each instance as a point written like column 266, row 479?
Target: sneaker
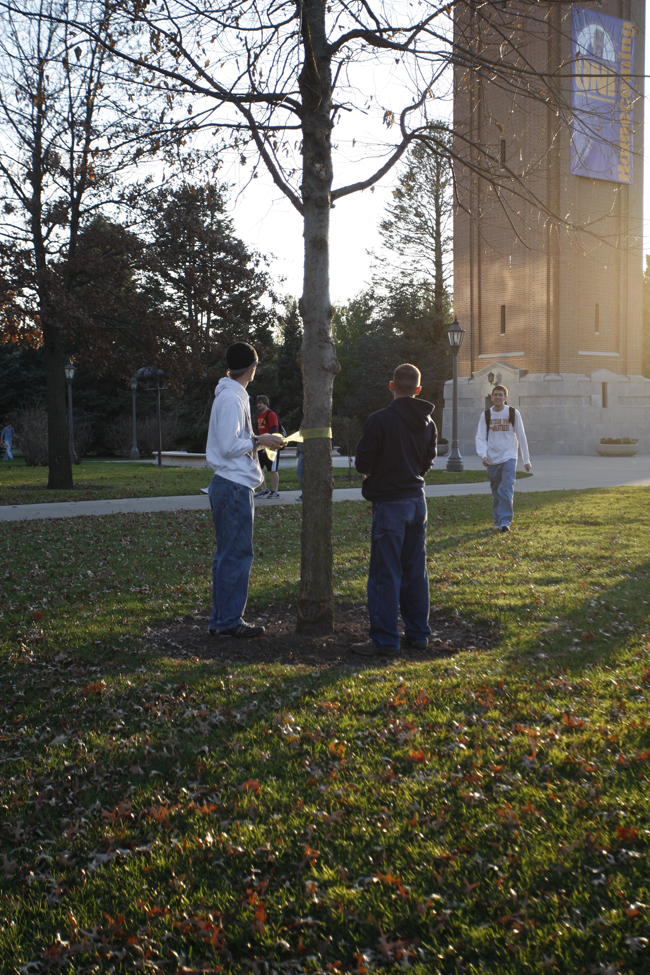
column 505, row 528
column 273, row 495
column 299, row 498
column 240, row 631
column 409, row 643
column 370, row 649
column 263, row 494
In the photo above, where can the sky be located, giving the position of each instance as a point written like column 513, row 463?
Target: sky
column 266, row 220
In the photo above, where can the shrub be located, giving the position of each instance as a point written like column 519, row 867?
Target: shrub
column 30, row 422
column 619, row 440
column 84, row 434
column 119, row 436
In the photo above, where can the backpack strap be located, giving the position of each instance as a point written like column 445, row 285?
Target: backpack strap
column 511, row 418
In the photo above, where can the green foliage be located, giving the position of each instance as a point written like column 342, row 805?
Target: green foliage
column 486, row 813
column 288, row 401
column 378, row 331
column 23, row 376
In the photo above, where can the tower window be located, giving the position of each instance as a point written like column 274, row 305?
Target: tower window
column 502, row 153
column 597, row 318
column 503, row 319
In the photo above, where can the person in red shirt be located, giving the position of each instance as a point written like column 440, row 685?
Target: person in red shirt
column 267, row 422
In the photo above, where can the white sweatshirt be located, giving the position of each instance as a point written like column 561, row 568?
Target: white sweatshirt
column 503, row 442
column 230, row 450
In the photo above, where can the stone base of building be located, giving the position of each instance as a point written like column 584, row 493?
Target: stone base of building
column 562, row 413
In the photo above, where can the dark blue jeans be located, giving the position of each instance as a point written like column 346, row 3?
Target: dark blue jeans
column 233, row 511
column 397, row 579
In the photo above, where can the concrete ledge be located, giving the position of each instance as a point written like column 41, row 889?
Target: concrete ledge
column 181, row 458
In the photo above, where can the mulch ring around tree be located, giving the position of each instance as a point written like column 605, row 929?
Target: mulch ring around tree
column 187, row 637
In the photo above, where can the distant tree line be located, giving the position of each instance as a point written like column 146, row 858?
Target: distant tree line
column 173, row 285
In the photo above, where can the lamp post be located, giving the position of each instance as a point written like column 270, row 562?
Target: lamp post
column 69, row 375
column 147, row 374
column 135, row 453
column 455, row 334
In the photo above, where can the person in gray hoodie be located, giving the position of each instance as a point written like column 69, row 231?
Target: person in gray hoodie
column 231, row 452
column 396, row 450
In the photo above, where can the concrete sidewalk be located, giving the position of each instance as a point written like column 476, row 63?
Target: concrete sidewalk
column 550, row 474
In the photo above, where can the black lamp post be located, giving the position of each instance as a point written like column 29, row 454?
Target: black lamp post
column 135, row 453
column 154, row 375
column 455, row 334
column 69, row 375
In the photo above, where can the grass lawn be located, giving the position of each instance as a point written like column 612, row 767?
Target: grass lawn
column 483, row 813
column 96, row 479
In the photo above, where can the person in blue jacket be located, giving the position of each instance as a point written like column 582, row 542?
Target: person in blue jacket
column 396, row 450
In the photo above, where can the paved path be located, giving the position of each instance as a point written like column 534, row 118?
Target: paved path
column 550, row 474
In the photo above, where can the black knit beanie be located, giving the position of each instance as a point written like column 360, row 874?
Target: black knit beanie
column 240, row 356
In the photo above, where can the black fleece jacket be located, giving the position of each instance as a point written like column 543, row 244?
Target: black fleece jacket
column 396, row 450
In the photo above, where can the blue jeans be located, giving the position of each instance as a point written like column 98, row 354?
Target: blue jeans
column 397, row 579
column 502, row 482
column 233, row 511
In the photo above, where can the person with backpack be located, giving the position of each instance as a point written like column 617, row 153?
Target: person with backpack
column 267, row 422
column 499, row 437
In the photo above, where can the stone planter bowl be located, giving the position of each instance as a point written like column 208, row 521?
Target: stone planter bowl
column 617, row 449
column 443, row 448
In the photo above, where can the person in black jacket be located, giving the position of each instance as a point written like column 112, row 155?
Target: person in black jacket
column 396, row 450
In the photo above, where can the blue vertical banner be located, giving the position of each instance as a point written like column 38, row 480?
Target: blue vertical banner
column 601, row 96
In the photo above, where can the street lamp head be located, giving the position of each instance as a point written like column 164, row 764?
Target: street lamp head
column 133, row 383
column 491, row 378
column 455, row 334
column 149, row 373
column 69, row 370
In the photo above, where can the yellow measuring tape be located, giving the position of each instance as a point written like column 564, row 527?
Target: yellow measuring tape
column 313, row 433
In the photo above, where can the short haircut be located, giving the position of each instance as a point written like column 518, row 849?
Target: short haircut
column 233, row 373
column 406, row 379
column 502, row 388
column 263, row 398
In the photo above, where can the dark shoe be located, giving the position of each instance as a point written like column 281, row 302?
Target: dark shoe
column 299, row 498
column 241, row 631
column 409, row 643
column 262, row 494
column 273, row 495
column 370, row 649
column 505, row 528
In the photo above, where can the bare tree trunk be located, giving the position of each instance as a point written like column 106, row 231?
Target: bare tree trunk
column 317, row 356
column 58, row 451
column 439, row 277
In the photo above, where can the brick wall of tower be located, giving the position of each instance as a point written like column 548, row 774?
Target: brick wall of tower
column 507, row 252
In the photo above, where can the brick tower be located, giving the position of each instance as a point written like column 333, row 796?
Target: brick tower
column 548, row 113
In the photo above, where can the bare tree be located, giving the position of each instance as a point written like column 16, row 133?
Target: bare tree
column 277, row 76
column 57, row 166
column 266, row 74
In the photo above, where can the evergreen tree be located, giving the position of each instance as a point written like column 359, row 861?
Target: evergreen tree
column 288, row 404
